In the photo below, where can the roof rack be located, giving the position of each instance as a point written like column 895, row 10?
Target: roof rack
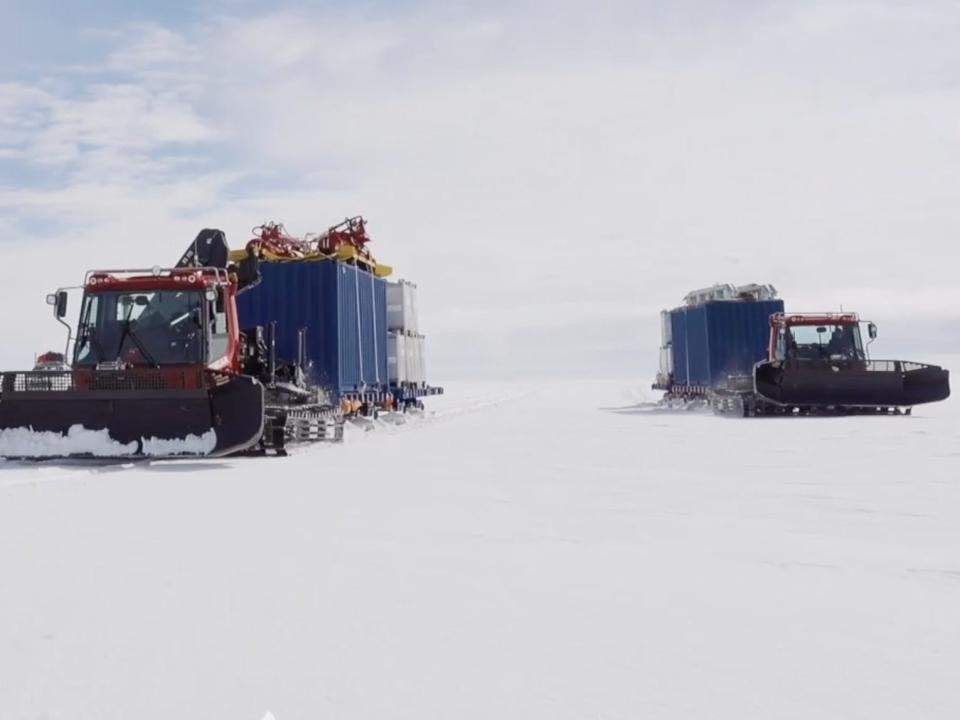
column 220, row 274
column 821, row 318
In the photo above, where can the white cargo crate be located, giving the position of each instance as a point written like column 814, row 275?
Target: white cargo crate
column 419, row 359
column 413, row 362
column 413, row 365
column 416, row 360
column 666, row 328
column 422, row 359
column 402, row 307
column 666, row 361
column 397, row 358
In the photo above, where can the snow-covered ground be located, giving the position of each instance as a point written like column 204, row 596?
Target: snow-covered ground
column 525, row 553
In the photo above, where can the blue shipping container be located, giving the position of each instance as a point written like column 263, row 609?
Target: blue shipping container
column 719, row 339
column 344, row 310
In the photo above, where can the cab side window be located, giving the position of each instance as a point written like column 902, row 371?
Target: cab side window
column 85, row 350
column 219, row 334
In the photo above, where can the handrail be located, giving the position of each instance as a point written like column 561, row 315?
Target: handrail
column 898, row 366
column 219, row 273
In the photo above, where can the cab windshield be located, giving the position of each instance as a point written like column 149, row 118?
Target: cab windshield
column 150, row 328
column 821, row 342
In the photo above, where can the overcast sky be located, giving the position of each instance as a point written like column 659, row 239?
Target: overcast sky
column 551, row 173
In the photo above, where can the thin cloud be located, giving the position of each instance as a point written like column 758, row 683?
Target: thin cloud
column 531, row 166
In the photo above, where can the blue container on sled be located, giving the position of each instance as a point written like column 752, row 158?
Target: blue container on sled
column 342, row 307
column 719, row 339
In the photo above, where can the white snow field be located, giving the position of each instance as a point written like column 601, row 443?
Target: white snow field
column 523, row 554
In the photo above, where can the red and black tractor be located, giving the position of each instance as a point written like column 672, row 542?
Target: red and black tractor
column 818, row 364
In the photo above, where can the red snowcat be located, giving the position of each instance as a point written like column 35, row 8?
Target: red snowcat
column 159, row 367
column 818, row 364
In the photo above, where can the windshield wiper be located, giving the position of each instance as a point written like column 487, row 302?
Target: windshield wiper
column 128, row 329
column 89, row 336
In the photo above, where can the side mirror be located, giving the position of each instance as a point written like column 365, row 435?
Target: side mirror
column 59, row 302
column 872, row 331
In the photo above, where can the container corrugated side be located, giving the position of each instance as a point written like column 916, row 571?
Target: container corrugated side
column 330, row 300
column 698, row 346
column 713, row 341
column 367, row 349
column 678, row 331
column 738, row 336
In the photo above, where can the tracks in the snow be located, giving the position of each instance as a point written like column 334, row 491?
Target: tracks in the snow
column 429, row 418
column 14, row 473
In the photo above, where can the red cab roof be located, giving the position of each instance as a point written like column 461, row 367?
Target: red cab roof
column 790, row 320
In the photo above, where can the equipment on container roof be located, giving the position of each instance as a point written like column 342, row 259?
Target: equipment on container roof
column 164, row 363
column 752, row 291
column 345, row 242
column 736, row 348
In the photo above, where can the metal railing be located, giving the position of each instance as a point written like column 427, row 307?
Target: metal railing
column 894, row 366
column 125, row 273
column 899, row 366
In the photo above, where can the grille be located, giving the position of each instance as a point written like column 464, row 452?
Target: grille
column 37, row 381
column 138, row 380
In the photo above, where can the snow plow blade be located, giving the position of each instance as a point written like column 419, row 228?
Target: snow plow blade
column 128, row 413
column 852, row 384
